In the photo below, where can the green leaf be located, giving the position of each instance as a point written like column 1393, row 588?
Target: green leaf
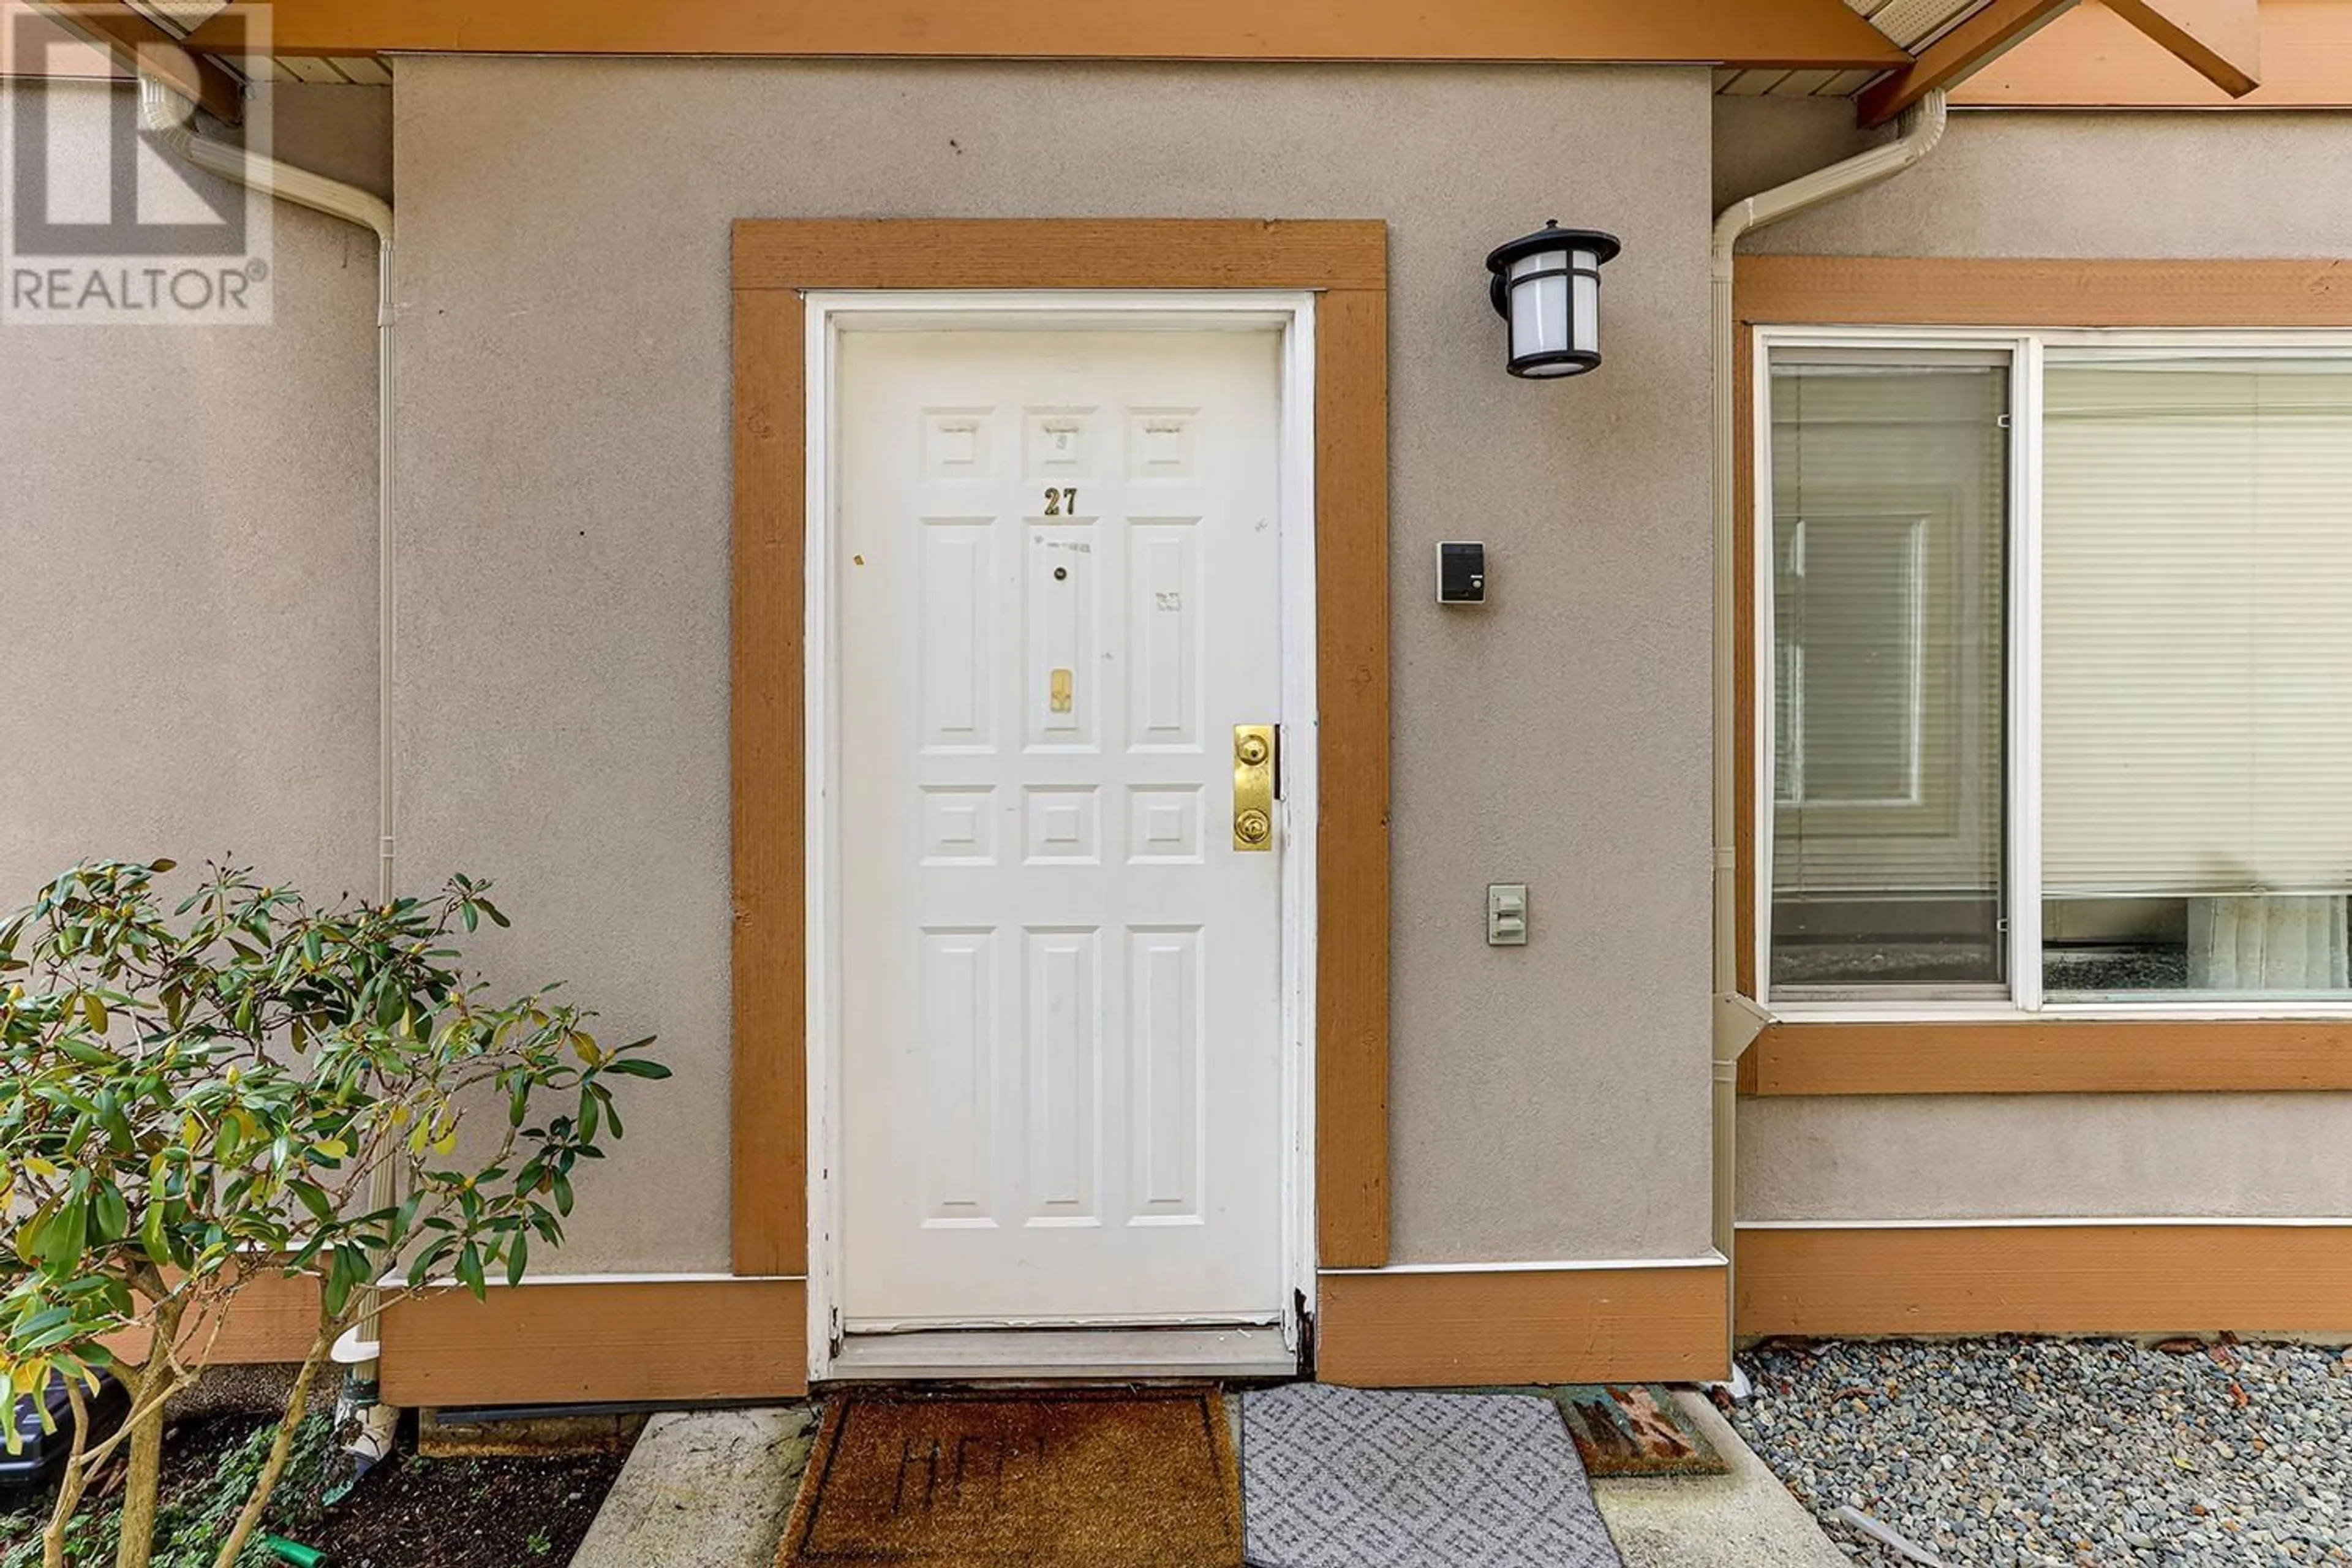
column 469, row 1270
column 346, row 1271
column 111, row 1213
column 518, row 1255
column 637, row 1067
column 88, row 1054
column 59, row 1240
column 406, row 1219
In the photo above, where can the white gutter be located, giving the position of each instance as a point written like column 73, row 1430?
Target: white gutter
column 1739, row 1019
column 169, row 116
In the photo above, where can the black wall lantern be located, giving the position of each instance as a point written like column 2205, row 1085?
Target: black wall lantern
column 1546, row 286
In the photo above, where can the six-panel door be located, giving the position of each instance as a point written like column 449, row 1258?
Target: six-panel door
column 1057, row 571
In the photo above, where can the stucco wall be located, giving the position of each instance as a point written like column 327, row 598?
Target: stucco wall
column 1987, row 1157
column 2090, row 185
column 187, row 559
column 2151, row 184
column 565, row 470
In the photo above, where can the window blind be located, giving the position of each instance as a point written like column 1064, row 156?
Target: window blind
column 2197, row 626
column 1889, row 503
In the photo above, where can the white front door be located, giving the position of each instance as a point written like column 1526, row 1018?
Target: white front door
column 1057, row 568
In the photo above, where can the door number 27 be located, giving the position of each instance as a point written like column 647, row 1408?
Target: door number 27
column 1061, row 503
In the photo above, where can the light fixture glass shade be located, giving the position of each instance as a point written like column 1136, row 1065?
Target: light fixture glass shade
column 1547, row 288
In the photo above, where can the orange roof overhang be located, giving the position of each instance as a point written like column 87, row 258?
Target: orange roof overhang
column 1791, row 33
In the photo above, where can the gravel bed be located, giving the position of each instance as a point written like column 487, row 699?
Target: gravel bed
column 2006, row 1453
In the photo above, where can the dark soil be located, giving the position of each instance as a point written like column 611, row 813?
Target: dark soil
column 410, row 1513
column 467, row 1513
column 206, row 1462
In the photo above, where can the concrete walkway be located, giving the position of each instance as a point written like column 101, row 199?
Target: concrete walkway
column 1744, row 1520
column 703, row 1488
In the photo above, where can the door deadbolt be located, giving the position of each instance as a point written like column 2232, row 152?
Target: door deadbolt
column 1254, row 787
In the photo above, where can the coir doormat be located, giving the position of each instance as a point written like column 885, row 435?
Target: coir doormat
column 1143, row 1480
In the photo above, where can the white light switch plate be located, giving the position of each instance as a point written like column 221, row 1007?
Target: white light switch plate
column 1507, row 914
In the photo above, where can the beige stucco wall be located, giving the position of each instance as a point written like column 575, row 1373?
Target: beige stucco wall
column 2152, row 184
column 187, row 560
column 1987, row 1157
column 2188, row 186
column 564, row 702
column 565, row 473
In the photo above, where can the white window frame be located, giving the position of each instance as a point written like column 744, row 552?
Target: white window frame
column 2023, row 786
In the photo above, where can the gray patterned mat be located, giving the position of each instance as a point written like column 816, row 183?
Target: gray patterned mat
column 1352, row 1477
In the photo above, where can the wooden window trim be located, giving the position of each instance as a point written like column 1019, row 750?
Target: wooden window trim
column 1345, row 262
column 1975, row 291
column 2042, row 1054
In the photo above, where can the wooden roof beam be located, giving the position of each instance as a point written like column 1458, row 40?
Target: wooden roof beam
column 1784, row 34
column 130, row 38
column 2221, row 40
column 2093, row 59
column 1977, row 42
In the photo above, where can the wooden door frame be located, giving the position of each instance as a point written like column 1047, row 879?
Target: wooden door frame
column 1345, row 264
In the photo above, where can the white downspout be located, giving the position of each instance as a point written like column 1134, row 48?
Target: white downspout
column 170, row 117
column 1739, row 1019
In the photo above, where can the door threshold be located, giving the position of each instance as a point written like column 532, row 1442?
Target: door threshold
column 1040, row 1355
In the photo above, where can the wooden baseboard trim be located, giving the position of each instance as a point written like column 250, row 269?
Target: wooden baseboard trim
column 2129, row 1278
column 270, row 1319
column 1404, row 1329
column 2073, row 1056
column 558, row 1342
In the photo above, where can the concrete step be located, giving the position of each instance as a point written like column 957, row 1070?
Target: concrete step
column 1744, row 1520
column 703, row 1488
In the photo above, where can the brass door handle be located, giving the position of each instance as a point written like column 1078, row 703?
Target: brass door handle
column 1253, row 762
